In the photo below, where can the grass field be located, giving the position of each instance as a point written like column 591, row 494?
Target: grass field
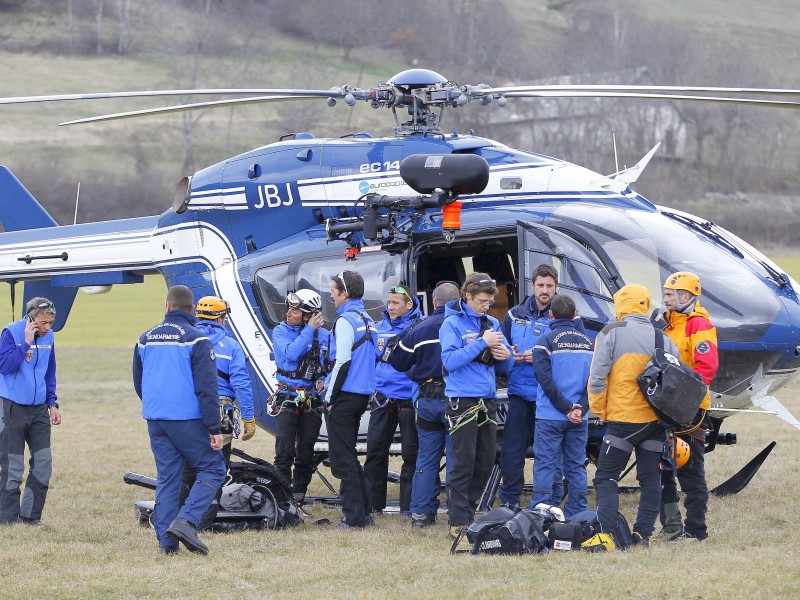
column 90, row 546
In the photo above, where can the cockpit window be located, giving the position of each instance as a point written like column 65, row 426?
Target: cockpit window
column 379, row 270
column 646, row 247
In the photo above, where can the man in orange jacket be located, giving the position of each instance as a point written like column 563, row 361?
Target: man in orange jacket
column 689, row 326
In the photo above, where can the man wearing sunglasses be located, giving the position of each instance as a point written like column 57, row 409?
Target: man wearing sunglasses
column 30, row 407
column 351, row 384
column 392, row 405
column 473, row 347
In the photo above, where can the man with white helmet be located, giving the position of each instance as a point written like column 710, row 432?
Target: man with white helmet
column 689, row 326
column 302, row 353
column 235, row 391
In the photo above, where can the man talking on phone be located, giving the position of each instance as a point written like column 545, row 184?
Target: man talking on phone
column 30, row 407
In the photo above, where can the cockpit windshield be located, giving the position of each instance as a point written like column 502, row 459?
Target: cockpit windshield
column 645, row 247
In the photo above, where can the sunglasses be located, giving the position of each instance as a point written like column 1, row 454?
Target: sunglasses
column 340, row 277
column 399, row 289
column 293, row 300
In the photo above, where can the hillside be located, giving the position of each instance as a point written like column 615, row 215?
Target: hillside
column 130, row 167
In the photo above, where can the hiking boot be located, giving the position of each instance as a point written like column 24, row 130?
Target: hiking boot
column 669, row 535
column 637, row 539
column 455, row 530
column 419, row 521
column 170, row 550
column 345, row 526
column 684, row 535
column 183, row 531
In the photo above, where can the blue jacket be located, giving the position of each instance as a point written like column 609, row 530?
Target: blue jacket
column 354, row 370
column 233, row 379
column 419, row 353
column 175, row 373
column 292, row 343
column 523, row 325
column 561, row 359
column 388, row 380
column 26, row 381
column 461, row 344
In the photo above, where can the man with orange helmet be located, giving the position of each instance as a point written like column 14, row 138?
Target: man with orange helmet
column 689, row 326
column 235, row 392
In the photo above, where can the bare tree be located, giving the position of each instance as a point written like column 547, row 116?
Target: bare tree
column 124, row 14
column 99, row 24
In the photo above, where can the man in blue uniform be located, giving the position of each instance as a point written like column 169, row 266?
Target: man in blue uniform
column 419, row 355
column 351, row 384
column 472, row 348
column 302, row 351
column 28, row 392
column 522, row 326
column 175, row 375
column 561, row 360
column 392, row 405
column 235, row 394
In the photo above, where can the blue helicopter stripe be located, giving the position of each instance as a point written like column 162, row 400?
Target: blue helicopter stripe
column 133, row 225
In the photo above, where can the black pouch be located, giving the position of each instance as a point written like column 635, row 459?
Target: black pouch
column 565, row 536
column 671, row 388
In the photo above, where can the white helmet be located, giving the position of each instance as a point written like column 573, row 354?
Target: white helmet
column 307, row 301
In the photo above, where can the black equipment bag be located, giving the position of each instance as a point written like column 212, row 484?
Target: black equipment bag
column 505, row 531
column 278, row 509
column 670, row 387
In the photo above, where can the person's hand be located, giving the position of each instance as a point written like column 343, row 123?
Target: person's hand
column 320, row 385
column 249, row 429
column 217, row 441
column 30, row 331
column 500, row 352
column 494, row 339
column 576, row 414
column 55, row 415
column 316, row 321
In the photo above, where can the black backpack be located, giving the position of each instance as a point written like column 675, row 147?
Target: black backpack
column 505, row 531
column 670, row 387
column 591, row 525
column 277, row 508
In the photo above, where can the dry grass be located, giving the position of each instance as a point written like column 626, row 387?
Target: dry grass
column 89, row 544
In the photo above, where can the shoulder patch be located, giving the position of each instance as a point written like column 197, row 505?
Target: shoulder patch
column 702, row 348
column 211, row 353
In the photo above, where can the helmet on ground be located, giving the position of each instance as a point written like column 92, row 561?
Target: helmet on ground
column 682, row 452
column 212, row 307
column 307, row 301
column 684, row 280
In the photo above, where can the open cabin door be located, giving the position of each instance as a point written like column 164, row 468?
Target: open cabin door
column 580, row 275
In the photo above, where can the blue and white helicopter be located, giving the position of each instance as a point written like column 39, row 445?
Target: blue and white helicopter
column 416, row 208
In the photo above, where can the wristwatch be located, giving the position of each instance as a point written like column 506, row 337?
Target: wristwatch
column 53, row 404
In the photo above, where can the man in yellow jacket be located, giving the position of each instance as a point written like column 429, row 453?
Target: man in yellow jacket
column 622, row 350
column 689, row 326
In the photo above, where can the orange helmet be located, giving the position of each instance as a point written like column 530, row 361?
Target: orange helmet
column 682, row 452
column 684, row 280
column 211, row 307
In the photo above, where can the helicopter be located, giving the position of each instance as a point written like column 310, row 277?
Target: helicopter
column 415, row 208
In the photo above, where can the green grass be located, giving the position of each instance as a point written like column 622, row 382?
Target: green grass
column 89, row 545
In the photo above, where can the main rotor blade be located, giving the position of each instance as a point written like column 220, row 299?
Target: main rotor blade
column 642, row 89
column 335, row 92
column 187, row 107
column 715, row 99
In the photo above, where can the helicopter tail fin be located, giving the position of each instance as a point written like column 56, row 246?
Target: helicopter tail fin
column 18, row 208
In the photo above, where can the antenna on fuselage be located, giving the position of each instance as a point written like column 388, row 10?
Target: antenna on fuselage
column 77, row 199
column 616, row 160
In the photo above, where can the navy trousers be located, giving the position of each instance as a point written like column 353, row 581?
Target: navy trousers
column 172, row 443
column 383, row 423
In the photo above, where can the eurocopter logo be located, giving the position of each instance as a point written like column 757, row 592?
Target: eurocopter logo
column 363, row 187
